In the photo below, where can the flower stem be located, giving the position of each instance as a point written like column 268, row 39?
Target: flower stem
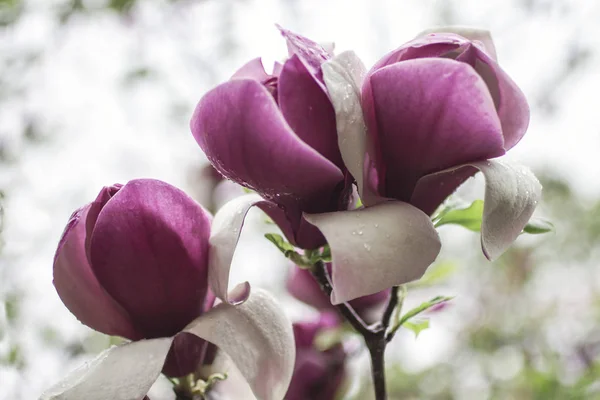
column 374, row 335
column 376, row 348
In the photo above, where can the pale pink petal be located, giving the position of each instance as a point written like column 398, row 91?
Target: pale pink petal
column 225, row 233
column 511, row 194
column 343, row 76
column 120, row 373
column 377, row 247
column 258, row 337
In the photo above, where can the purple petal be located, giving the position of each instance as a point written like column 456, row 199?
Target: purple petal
column 430, row 114
column 377, row 247
column 317, row 374
column 244, row 135
column 258, row 338
column 307, row 109
column 430, row 46
column 242, row 132
column 149, row 250
column 303, row 287
column 480, row 37
column 510, row 102
column 296, row 229
column 78, row 287
column 120, row 373
column 312, row 54
column 253, row 69
column 225, row 233
column 433, row 189
column 185, row 355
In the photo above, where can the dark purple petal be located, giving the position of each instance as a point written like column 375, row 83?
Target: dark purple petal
column 96, row 206
column 78, row 287
column 244, row 135
column 430, row 46
column 185, row 355
column 293, row 225
column 430, row 114
column 312, row 54
column 149, row 250
column 432, row 190
column 317, row 374
column 479, row 37
column 308, row 110
column 303, row 287
column 510, row 102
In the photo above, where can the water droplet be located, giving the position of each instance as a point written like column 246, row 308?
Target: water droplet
column 367, row 247
column 376, row 225
column 354, row 232
column 360, row 232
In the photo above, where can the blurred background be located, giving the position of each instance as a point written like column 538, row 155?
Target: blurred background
column 94, row 92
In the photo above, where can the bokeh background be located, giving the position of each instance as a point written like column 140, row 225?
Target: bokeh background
column 94, row 92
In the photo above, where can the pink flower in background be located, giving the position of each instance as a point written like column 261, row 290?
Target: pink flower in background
column 318, row 375
column 305, row 288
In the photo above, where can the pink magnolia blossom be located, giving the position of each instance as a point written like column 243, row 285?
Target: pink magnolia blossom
column 136, row 263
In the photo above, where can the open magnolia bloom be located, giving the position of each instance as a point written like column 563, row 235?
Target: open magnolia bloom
column 275, row 134
column 423, row 120
column 136, row 263
column 409, row 132
column 278, row 135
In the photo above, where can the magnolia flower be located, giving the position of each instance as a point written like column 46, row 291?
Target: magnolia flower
column 434, row 104
column 137, row 262
column 410, row 131
column 276, row 134
column 318, row 374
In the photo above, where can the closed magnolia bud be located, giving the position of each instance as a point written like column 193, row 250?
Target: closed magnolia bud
column 134, row 263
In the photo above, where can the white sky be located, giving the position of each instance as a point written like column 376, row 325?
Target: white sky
column 98, row 130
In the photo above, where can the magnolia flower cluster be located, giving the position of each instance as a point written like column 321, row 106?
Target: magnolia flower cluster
column 145, row 262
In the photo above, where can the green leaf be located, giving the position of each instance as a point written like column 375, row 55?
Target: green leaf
column 416, row 311
column 537, row 226
column 279, row 242
column 423, row 307
column 469, row 217
column 289, row 250
column 417, row 326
